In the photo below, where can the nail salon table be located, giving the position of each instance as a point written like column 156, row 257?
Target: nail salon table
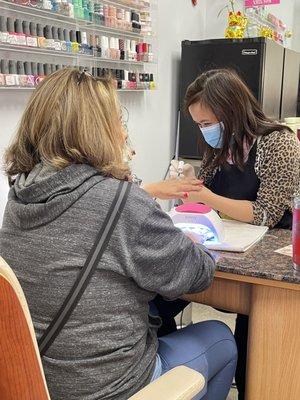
column 262, row 284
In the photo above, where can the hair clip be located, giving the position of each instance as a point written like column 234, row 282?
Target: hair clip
column 82, row 74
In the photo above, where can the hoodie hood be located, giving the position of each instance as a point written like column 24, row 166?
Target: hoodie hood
column 46, row 193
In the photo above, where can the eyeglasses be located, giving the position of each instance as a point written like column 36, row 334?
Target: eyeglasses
column 124, row 117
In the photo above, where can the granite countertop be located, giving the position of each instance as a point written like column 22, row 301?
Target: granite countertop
column 261, row 261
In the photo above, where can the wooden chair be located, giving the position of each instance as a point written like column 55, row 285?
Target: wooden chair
column 21, row 371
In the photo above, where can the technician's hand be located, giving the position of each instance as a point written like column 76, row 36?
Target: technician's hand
column 187, row 170
column 203, row 195
column 174, row 188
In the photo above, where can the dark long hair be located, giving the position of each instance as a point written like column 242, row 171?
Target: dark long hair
column 233, row 103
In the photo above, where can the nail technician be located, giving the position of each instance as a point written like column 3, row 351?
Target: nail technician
column 251, row 165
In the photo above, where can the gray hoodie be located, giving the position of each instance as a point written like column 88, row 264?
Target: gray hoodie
column 106, row 350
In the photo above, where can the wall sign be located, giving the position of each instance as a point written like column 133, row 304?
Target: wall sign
column 255, row 3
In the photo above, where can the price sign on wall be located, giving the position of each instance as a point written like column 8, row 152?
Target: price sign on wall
column 255, row 3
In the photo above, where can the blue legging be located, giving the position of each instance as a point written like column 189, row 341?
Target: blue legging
column 207, row 347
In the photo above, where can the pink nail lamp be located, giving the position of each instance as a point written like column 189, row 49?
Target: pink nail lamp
column 193, row 217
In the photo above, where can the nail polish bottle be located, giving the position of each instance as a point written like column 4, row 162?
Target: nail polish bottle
column 150, row 54
column 139, row 51
column 145, row 51
column 86, row 10
column 47, row 5
column 21, row 39
column 92, row 45
column 40, row 36
column 140, row 81
column 12, row 36
column 152, row 85
column 147, row 81
column 85, row 43
column 32, row 3
column 102, row 15
column 49, row 42
column 53, row 68
column 91, row 7
column 117, row 48
column 96, row 14
column 112, row 48
column 123, row 82
column 74, row 43
column 21, row 74
column 129, row 83
column 35, row 74
column 47, row 69
column 32, row 40
column 28, row 72
column 118, row 79
column 63, row 45
column 133, row 80
column 76, row 8
column 3, row 29
column 105, row 47
column 106, row 16
column 2, row 76
column 56, row 41
column 79, row 41
column 67, row 40
column 41, row 73
column 12, row 67
column 133, row 51
column 122, row 48
column 9, row 80
column 55, row 6
column 80, row 9
column 126, row 79
column 120, row 18
column 128, row 24
column 98, row 51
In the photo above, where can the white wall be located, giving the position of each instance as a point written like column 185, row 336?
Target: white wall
column 288, row 11
column 152, row 121
column 12, row 104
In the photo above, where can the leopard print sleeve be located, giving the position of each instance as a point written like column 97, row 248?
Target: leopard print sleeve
column 206, row 172
column 278, row 168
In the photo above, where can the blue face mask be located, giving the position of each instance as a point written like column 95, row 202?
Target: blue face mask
column 213, row 135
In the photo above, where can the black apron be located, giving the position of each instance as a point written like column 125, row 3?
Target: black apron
column 235, row 184
column 231, row 182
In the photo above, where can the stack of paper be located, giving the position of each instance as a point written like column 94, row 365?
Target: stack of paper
column 239, row 237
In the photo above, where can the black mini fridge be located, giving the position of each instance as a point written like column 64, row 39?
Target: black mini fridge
column 259, row 61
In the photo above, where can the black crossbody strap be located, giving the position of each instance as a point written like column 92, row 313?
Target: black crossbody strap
column 88, row 269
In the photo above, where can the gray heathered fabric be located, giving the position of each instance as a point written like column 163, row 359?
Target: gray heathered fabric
column 106, row 350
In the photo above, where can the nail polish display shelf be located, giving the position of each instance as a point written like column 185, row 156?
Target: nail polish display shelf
column 129, row 5
column 40, row 15
column 4, row 88
column 74, row 56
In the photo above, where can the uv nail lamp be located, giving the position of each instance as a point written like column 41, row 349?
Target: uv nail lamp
column 199, row 220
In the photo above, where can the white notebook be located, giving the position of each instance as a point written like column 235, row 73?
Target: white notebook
column 239, row 237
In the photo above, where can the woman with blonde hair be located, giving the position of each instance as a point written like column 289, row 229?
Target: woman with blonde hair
column 92, row 250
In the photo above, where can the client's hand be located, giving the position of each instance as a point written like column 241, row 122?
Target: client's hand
column 173, row 188
column 195, row 237
column 187, row 170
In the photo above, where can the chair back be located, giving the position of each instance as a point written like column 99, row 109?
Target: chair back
column 21, row 372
